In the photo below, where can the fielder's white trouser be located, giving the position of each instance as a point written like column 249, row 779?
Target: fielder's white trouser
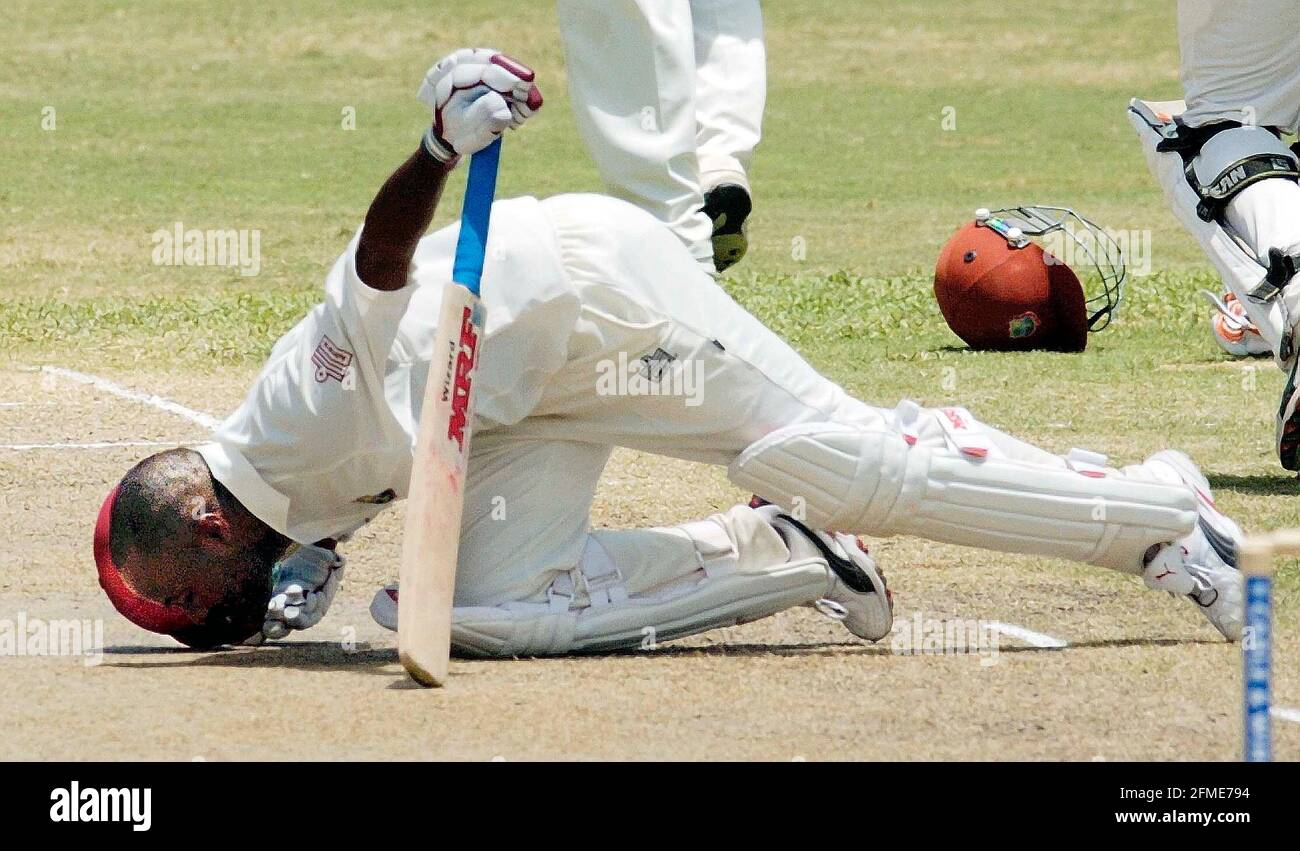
column 1264, row 215
column 725, row 390
column 668, row 96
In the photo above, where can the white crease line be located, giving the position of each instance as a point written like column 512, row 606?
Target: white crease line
column 102, row 444
column 1034, row 639
column 206, row 420
column 1286, row 713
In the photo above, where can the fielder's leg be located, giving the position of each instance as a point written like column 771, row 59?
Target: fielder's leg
column 1259, row 213
column 631, row 67
column 1237, row 190
column 730, row 88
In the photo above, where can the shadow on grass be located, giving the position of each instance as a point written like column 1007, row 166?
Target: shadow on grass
column 301, row 655
column 1283, row 484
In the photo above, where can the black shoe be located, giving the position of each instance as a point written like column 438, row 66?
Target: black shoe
column 728, row 205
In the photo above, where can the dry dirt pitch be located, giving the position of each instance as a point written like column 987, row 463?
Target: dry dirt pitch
column 1143, row 677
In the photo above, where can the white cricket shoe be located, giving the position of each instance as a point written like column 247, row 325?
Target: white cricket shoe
column 1203, row 565
column 858, row 596
column 1233, row 330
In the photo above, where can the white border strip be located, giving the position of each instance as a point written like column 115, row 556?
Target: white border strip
column 154, row 401
column 1034, row 639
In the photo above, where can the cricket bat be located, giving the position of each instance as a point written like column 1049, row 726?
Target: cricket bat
column 431, row 541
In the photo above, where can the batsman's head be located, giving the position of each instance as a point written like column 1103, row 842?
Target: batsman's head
column 178, row 554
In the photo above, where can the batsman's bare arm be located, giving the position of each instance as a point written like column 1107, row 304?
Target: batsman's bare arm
column 475, row 95
column 398, row 217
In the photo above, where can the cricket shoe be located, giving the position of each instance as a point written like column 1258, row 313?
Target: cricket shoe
column 383, row 608
column 858, row 596
column 1233, row 330
column 1203, row 565
column 728, row 205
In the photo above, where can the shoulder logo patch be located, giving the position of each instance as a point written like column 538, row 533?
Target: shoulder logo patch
column 330, row 361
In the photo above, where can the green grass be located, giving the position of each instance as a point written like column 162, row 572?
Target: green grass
column 228, row 115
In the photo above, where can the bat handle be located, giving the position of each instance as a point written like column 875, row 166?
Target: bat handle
column 471, row 245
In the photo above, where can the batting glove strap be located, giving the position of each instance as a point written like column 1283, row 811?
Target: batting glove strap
column 438, row 149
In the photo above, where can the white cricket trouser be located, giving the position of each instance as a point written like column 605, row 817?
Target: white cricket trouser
column 730, row 381
column 668, row 96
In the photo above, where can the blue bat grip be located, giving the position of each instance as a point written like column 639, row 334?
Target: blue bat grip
column 471, row 246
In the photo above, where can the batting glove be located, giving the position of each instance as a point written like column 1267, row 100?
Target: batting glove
column 475, row 94
column 304, row 585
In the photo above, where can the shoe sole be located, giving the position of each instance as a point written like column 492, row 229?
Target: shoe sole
column 728, row 250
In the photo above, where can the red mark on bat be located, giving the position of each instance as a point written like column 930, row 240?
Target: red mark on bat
column 465, row 357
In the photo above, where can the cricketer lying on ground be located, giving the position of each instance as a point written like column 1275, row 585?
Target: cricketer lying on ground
column 603, row 331
column 592, row 278
column 573, row 282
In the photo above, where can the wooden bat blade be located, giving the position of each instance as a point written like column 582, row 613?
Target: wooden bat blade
column 436, row 497
column 431, row 542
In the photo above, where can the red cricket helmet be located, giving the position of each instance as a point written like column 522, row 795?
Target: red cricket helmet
column 1001, row 291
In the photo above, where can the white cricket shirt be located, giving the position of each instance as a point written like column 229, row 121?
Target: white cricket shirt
column 323, row 440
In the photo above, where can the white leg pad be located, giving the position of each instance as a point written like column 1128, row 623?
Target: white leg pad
column 1240, row 271
column 876, row 481
column 728, row 569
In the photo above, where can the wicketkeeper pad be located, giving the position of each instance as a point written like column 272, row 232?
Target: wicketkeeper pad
column 884, row 480
column 1229, row 163
column 727, row 569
